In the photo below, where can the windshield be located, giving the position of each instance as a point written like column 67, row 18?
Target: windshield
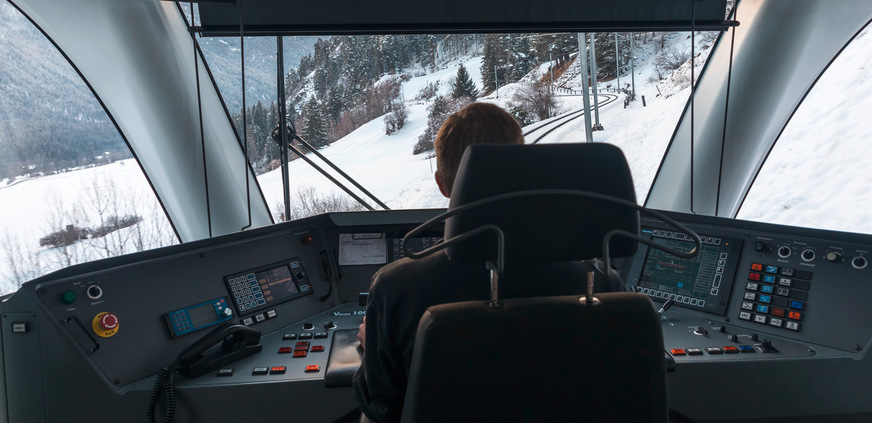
column 70, row 189
column 371, row 104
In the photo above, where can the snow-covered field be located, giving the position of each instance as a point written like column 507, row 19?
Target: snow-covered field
column 814, row 177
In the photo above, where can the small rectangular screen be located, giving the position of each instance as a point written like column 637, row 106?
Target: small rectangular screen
column 276, row 283
column 202, row 315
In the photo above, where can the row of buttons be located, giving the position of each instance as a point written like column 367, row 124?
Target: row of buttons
column 684, row 237
column 257, row 318
column 783, row 271
column 304, row 335
column 274, row 370
column 301, row 349
column 677, row 298
column 730, row 349
column 778, row 322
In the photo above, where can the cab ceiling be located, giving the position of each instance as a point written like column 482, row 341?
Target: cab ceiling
column 282, row 17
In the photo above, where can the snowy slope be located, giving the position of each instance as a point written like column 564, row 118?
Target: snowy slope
column 799, row 185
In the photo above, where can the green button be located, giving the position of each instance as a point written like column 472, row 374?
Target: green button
column 69, row 297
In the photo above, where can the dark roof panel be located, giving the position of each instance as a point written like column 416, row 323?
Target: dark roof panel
column 272, row 17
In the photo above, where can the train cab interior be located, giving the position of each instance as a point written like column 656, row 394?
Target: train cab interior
column 250, row 311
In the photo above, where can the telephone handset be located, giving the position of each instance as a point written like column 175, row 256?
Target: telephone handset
column 237, row 341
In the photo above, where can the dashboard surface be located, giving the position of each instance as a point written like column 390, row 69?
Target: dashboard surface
column 762, row 308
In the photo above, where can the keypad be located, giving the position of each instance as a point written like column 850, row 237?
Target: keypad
column 775, row 296
column 246, row 291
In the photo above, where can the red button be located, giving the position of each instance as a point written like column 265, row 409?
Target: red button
column 754, row 276
column 795, row 315
column 300, row 353
column 312, row 368
column 285, row 350
column 778, row 312
column 318, row 348
column 677, row 351
column 731, row 349
column 757, row 267
column 277, row 370
column 109, row 321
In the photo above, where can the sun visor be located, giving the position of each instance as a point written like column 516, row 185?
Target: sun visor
column 275, row 17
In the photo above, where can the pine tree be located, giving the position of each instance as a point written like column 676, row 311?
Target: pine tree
column 314, row 126
column 490, row 63
column 463, row 85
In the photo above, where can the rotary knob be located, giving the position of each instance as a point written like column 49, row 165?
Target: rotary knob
column 833, row 257
column 859, row 262
column 784, row 252
column 807, row 254
column 762, row 247
column 308, row 326
column 109, row 321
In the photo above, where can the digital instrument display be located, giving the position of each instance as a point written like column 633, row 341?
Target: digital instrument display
column 396, row 251
column 198, row 316
column 202, row 315
column 701, row 282
column 262, row 287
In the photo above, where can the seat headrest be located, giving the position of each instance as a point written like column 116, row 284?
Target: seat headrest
column 543, row 228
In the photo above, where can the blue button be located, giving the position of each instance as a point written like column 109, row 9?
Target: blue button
column 767, row 288
column 797, row 305
column 762, row 309
column 295, row 264
column 746, row 348
column 768, row 278
column 765, row 299
column 771, row 269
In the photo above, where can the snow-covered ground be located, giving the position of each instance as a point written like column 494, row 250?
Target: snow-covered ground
column 814, row 177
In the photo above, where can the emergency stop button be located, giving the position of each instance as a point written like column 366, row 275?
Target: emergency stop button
column 105, row 324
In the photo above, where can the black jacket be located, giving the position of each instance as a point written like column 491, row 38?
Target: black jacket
column 400, row 293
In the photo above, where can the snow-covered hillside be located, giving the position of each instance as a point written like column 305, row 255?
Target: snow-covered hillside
column 816, row 175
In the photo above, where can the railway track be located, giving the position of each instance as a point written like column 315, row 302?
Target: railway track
column 552, row 125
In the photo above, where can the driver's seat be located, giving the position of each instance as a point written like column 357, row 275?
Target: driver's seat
column 548, row 359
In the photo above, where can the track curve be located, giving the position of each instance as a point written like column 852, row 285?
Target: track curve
column 566, row 118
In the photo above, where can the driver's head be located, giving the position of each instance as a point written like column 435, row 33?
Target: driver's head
column 477, row 123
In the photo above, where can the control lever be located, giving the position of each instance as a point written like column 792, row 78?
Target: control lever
column 766, row 347
column 665, row 306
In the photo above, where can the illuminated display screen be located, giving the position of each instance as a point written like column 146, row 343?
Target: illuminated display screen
column 202, row 315
column 260, row 288
column 703, row 281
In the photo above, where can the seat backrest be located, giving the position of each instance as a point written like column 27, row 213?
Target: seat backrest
column 542, row 358
column 543, row 228
column 549, row 359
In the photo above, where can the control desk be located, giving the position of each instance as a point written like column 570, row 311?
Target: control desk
column 768, row 322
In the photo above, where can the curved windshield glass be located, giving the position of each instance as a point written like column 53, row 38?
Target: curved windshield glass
column 811, row 176
column 371, row 104
column 70, row 188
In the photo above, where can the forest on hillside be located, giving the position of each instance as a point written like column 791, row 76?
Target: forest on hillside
column 350, row 80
